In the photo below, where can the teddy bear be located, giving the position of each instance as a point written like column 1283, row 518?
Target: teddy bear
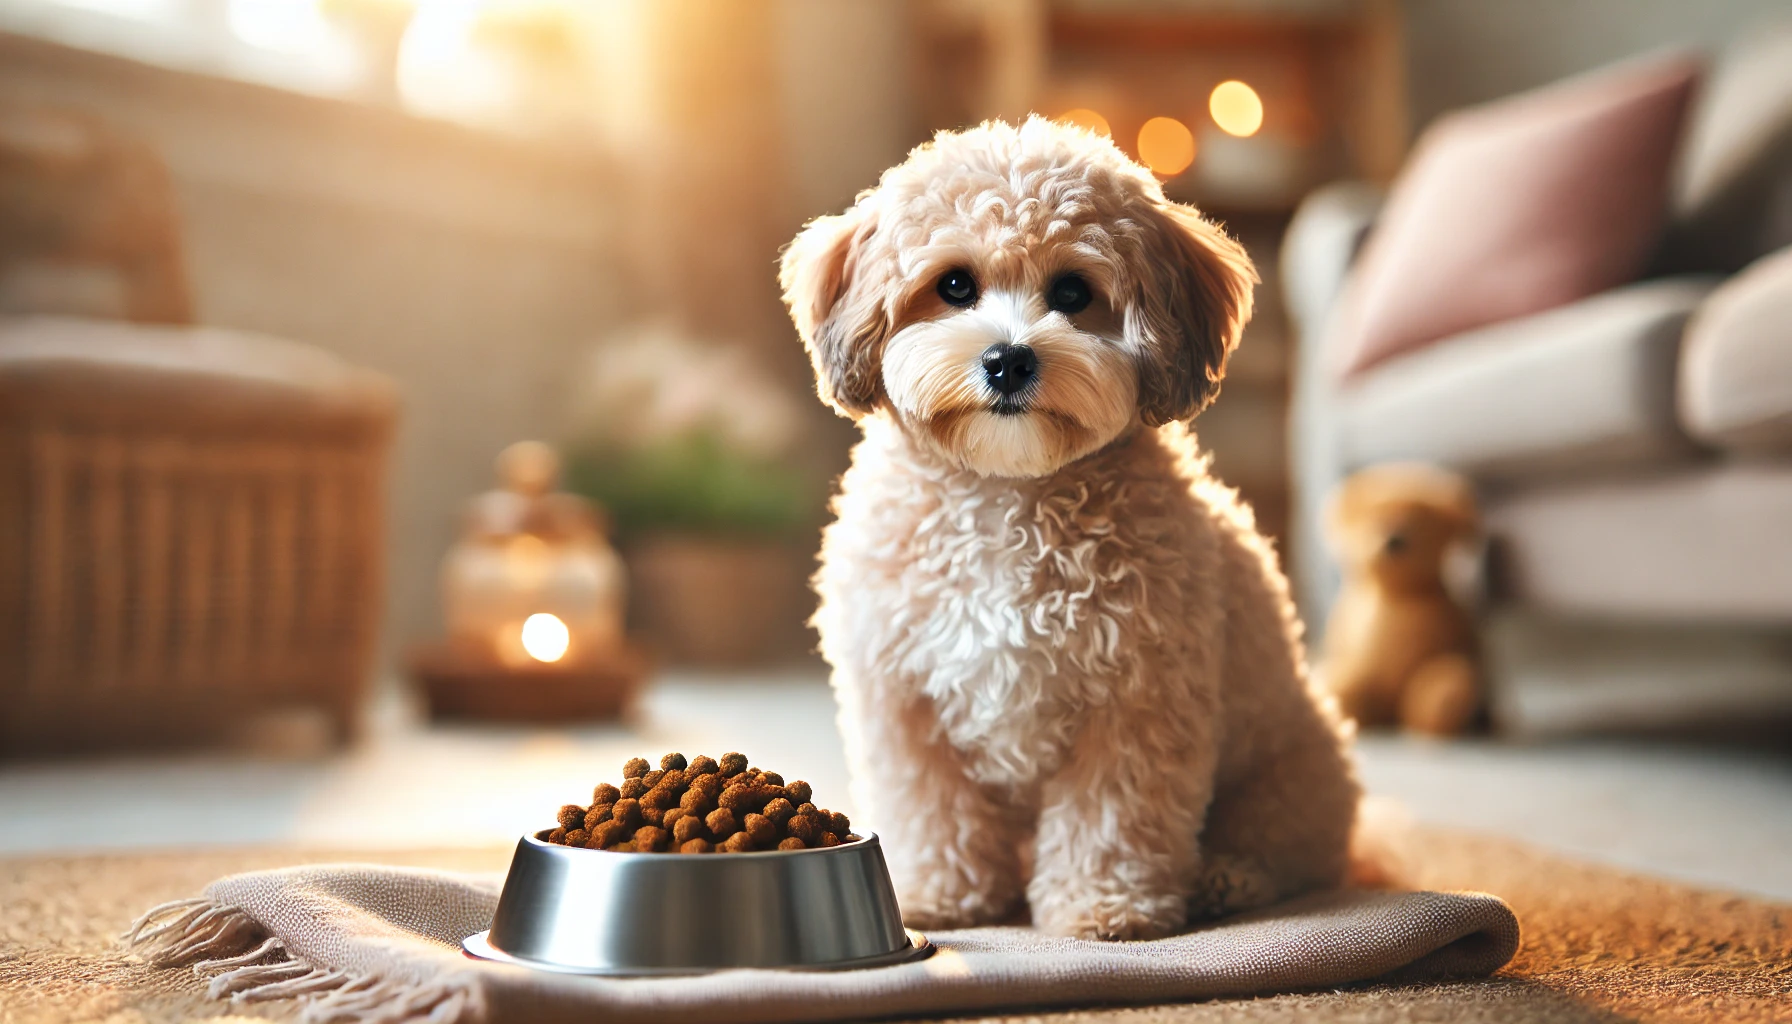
column 1399, row 647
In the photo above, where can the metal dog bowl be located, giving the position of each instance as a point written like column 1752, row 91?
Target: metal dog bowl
column 593, row 912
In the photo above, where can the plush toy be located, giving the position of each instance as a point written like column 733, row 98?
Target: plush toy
column 1399, row 647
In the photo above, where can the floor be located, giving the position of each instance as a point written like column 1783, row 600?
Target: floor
column 1707, row 814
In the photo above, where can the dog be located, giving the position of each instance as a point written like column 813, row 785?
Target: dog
column 1069, row 674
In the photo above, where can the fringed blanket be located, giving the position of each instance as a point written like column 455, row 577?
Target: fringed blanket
column 364, row 944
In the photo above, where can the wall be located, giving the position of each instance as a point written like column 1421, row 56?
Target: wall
column 1467, row 51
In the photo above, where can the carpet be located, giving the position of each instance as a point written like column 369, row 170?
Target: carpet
column 1600, row 945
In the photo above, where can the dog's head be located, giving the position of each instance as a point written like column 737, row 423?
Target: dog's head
column 1018, row 297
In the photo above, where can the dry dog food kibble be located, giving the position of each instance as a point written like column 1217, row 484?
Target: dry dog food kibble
column 700, row 806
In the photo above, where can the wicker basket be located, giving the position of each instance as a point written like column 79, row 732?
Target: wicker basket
column 190, row 531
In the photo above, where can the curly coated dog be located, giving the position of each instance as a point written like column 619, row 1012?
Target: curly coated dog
column 1070, row 677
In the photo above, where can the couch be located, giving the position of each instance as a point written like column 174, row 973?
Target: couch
column 1632, row 450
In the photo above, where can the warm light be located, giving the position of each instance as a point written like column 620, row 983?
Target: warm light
column 1083, row 117
column 1166, row 146
column 295, row 26
column 545, row 637
column 1236, row 108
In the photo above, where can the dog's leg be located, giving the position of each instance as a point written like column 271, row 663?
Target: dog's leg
column 953, row 848
column 1117, row 844
column 1283, row 830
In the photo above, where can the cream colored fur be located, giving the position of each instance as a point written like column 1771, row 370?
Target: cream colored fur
column 1070, row 677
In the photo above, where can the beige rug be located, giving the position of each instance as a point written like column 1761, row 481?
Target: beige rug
column 1600, row 945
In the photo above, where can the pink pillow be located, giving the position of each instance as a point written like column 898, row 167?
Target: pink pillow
column 1519, row 206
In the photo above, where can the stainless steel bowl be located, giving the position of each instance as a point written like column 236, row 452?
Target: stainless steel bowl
column 592, row 912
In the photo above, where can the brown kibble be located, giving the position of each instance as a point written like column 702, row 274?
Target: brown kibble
column 741, row 799
column 626, row 812
column 571, row 816
column 803, row 827
column 606, row 835
column 853, row 837
column 779, row 811
column 699, row 805
column 706, row 788
column 761, row 829
column 688, row 828
column 721, row 822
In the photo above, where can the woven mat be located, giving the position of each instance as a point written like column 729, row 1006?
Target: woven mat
column 1600, row 945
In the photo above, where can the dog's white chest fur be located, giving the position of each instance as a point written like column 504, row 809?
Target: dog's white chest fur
column 980, row 595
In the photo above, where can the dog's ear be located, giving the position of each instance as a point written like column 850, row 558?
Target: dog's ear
column 841, row 319
column 1193, row 300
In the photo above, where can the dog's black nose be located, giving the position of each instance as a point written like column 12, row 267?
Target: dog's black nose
column 1009, row 368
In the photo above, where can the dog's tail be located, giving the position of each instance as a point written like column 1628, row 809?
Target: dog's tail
column 1381, row 846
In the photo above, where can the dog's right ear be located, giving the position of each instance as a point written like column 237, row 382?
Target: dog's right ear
column 841, row 320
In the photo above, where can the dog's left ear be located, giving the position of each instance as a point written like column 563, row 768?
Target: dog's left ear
column 841, row 325
column 1193, row 301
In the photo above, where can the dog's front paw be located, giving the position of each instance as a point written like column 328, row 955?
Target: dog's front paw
column 1227, row 885
column 936, row 911
column 1118, row 914
column 950, row 900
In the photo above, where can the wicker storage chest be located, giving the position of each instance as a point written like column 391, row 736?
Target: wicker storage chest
column 190, row 531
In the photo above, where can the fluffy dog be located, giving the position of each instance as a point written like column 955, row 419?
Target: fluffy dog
column 1068, row 670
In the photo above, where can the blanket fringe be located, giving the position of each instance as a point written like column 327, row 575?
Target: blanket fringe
column 225, row 942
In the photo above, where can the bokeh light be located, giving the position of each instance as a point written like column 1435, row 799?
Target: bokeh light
column 1167, row 146
column 1083, row 117
column 1236, row 108
column 545, row 637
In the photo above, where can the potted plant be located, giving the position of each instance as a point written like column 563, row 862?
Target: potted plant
column 692, row 449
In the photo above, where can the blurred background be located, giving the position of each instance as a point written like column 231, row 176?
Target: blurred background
column 283, row 284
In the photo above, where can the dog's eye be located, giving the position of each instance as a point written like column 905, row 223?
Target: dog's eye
column 1069, row 294
column 958, row 288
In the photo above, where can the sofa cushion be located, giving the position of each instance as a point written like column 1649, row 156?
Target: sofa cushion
column 1589, row 384
column 1736, row 361
column 126, row 374
column 1700, row 544
column 1517, row 207
column 1733, row 186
